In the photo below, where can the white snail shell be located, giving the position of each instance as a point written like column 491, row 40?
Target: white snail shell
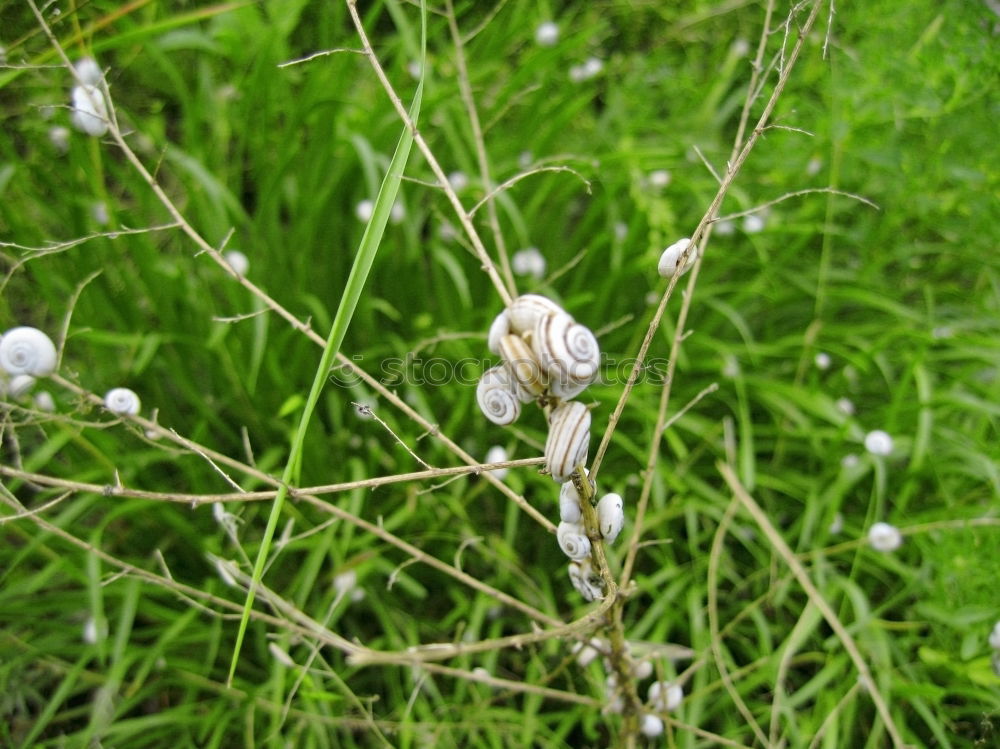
column 668, row 260
column 90, row 111
column 664, row 696
column 27, row 350
column 88, row 71
column 522, row 363
column 573, row 540
column 526, row 310
column 497, row 396
column 122, row 401
column 499, row 328
column 20, row 384
column 569, row 503
column 568, row 440
column 566, row 390
column 610, row 516
column 567, row 350
column 586, row 582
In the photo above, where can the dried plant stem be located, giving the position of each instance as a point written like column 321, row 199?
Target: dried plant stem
column 334, row 511
column 798, row 193
column 477, row 137
column 463, row 215
column 785, row 552
column 445, row 650
column 195, row 500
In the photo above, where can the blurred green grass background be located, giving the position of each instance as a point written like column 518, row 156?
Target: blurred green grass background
column 904, row 300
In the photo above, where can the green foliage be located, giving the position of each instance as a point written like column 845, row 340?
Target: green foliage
column 905, row 299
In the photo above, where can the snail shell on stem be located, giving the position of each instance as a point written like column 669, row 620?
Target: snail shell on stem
column 573, row 540
column 526, row 310
column 122, row 401
column 568, row 440
column 497, row 396
column 499, row 328
column 587, row 583
column 522, row 363
column 569, row 504
column 567, row 350
column 28, row 351
column 610, row 516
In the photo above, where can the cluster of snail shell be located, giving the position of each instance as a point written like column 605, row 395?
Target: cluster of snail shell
column 550, row 358
column 27, row 353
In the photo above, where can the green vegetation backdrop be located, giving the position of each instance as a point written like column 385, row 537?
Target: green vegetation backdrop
column 862, row 293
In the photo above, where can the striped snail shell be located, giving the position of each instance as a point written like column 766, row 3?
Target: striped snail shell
column 526, row 310
column 569, row 504
column 568, row 389
column 29, row 351
column 521, row 361
column 586, row 582
column 497, row 396
column 573, row 540
column 122, row 401
column 499, row 328
column 568, row 440
column 567, row 350
column 610, row 516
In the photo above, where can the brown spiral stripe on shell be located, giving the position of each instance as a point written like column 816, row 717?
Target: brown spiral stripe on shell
column 567, row 350
column 569, row 439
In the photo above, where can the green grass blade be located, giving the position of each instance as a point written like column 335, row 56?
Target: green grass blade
column 345, row 311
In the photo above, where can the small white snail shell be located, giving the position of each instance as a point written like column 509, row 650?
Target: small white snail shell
column 90, row 111
column 122, row 401
column 664, row 696
column 27, row 350
column 521, row 361
column 610, row 516
column 499, row 328
column 586, row 582
column 566, row 349
column 238, row 261
column 569, row 504
column 88, row 71
column 652, row 725
column 497, row 396
column 526, row 310
column 568, row 440
column 668, row 260
column 20, row 384
column 573, row 540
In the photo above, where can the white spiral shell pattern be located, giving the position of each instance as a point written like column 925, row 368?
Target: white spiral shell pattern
column 573, row 540
column 610, row 516
column 25, row 350
column 568, row 440
column 499, row 328
column 521, row 361
column 122, row 401
column 566, row 349
column 497, row 396
column 526, row 310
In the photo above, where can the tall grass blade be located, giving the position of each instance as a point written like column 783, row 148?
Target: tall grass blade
column 345, row 311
